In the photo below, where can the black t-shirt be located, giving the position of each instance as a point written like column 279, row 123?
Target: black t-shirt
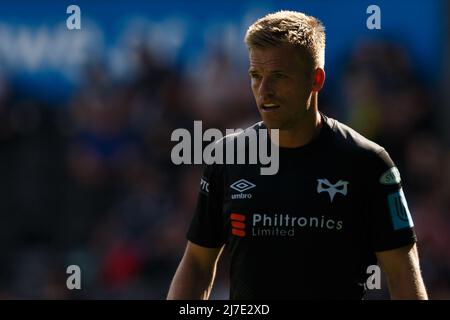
column 311, row 230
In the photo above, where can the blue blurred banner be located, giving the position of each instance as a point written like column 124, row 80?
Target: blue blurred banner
column 46, row 59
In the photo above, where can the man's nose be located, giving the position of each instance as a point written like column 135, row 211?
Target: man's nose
column 266, row 89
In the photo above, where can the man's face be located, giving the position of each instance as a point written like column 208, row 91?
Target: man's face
column 281, row 79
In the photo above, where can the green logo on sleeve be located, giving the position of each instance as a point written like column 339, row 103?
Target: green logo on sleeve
column 392, row 176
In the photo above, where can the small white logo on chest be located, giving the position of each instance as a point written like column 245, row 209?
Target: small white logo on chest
column 332, row 189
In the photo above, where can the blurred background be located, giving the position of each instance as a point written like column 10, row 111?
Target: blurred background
column 86, row 117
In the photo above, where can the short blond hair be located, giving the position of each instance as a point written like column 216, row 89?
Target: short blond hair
column 289, row 27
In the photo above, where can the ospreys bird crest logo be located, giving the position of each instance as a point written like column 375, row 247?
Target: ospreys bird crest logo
column 323, row 185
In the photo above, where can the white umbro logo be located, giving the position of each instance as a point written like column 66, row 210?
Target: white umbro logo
column 323, row 185
column 242, row 185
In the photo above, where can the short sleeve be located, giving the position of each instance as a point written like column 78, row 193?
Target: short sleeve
column 207, row 226
column 390, row 222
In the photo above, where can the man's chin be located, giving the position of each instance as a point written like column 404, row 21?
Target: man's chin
column 272, row 124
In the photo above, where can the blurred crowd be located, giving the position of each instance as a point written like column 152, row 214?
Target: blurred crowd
column 90, row 181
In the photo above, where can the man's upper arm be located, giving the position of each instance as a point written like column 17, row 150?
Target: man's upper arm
column 208, row 226
column 397, row 261
column 204, row 257
column 402, row 269
column 389, row 220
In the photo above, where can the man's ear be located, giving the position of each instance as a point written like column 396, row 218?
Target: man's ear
column 319, row 79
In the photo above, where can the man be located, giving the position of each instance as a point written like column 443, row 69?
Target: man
column 334, row 208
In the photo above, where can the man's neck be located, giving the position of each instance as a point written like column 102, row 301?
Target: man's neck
column 303, row 133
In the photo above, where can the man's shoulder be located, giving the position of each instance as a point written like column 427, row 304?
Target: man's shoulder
column 241, row 133
column 354, row 146
column 345, row 137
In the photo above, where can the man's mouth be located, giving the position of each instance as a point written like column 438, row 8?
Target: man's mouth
column 267, row 107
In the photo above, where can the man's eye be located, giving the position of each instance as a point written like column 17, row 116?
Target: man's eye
column 255, row 76
column 279, row 76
